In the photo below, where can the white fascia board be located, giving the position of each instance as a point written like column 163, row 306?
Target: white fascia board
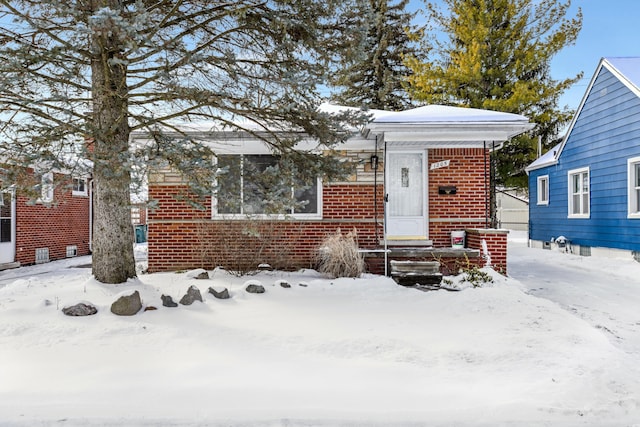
column 535, row 166
column 435, row 132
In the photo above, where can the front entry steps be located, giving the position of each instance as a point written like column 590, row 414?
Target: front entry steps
column 412, row 273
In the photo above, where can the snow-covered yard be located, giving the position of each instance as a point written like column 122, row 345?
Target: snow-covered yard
column 557, row 343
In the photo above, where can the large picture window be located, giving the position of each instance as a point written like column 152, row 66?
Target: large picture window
column 259, row 184
column 633, row 173
column 579, row 193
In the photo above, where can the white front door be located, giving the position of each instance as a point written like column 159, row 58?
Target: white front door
column 407, row 199
column 7, row 227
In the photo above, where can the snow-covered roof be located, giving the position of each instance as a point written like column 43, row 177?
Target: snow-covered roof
column 547, row 159
column 431, row 125
column 447, row 126
column 448, row 114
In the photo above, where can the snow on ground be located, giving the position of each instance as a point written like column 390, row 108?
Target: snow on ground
column 556, row 343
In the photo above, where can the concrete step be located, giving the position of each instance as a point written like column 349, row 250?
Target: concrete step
column 410, row 273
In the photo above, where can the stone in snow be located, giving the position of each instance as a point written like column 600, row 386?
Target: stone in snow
column 80, row 309
column 192, row 295
column 167, row 301
column 254, row 287
column 127, row 304
column 223, row 294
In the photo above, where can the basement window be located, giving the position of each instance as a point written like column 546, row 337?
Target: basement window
column 42, row 255
column 72, row 251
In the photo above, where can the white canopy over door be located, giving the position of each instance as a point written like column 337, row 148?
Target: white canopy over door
column 406, row 179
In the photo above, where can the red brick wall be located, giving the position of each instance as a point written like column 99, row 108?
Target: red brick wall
column 466, row 208
column 181, row 236
column 64, row 223
column 496, row 241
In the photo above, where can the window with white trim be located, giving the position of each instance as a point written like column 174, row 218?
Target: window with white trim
column 633, row 178
column 46, row 188
column 79, row 187
column 258, row 184
column 543, row 190
column 579, row 193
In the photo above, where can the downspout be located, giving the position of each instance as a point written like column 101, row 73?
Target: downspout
column 374, row 166
column 90, row 185
column 486, row 187
column 384, row 221
column 492, row 184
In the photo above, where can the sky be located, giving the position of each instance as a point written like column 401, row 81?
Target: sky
column 609, row 29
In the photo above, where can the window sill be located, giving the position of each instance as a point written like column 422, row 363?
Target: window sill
column 240, row 217
column 581, row 216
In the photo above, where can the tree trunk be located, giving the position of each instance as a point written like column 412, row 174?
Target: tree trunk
column 113, row 260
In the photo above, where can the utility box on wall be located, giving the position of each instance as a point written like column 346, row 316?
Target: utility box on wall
column 447, row 189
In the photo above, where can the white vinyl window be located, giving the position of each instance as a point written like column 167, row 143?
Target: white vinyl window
column 254, row 184
column 46, row 188
column 543, row 190
column 79, row 187
column 579, row 193
column 633, row 175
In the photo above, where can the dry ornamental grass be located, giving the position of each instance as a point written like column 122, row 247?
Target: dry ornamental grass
column 338, row 255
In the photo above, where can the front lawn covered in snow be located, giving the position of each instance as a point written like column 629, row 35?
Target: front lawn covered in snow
column 323, row 352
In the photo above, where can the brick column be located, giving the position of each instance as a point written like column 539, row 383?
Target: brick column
column 496, row 244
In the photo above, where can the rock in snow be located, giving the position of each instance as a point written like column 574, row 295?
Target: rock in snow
column 192, row 295
column 127, row 305
column 167, row 301
column 223, row 294
column 254, row 288
column 80, row 309
column 198, row 273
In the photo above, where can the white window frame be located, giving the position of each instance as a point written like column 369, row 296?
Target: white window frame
column 46, row 188
column 543, row 200
column 243, row 216
column 633, row 191
column 581, row 193
column 75, row 192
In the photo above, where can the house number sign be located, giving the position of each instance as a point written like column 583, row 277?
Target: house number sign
column 438, row 165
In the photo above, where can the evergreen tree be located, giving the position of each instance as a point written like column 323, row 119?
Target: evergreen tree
column 78, row 71
column 372, row 73
column 496, row 55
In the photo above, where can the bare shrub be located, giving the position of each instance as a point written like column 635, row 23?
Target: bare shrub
column 240, row 247
column 338, row 255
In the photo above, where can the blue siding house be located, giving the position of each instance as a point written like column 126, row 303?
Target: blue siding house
column 587, row 188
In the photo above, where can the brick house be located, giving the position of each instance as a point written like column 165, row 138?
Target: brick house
column 53, row 226
column 420, row 175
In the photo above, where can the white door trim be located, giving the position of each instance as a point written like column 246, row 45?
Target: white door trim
column 406, row 227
